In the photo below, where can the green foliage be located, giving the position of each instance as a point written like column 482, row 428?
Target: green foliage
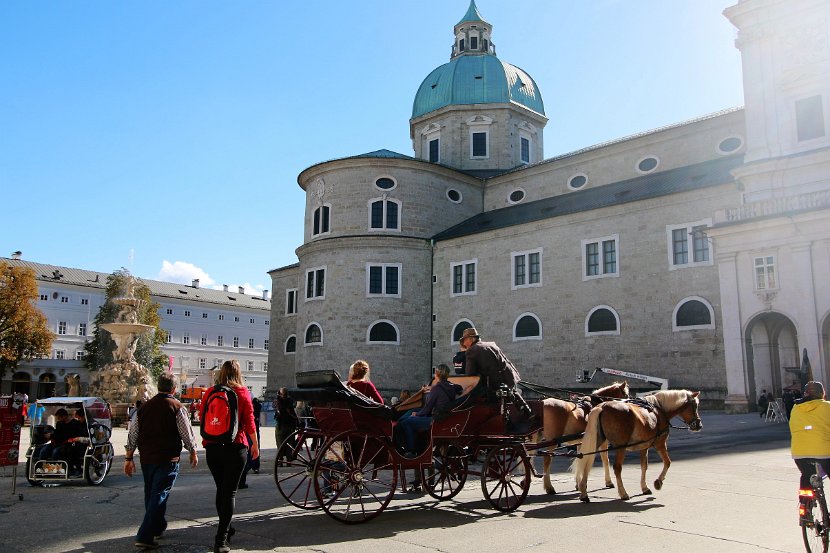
column 148, row 352
column 24, row 332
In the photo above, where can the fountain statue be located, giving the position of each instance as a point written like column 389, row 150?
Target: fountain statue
column 125, row 380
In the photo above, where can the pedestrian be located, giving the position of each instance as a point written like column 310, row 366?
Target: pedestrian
column 227, row 461
column 763, row 403
column 257, row 413
column 789, row 400
column 158, row 430
column 287, row 420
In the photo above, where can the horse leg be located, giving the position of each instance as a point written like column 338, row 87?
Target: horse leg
column 618, row 461
column 606, row 466
column 546, row 461
column 643, row 468
column 663, row 451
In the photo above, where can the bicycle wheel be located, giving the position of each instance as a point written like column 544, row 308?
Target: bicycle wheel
column 815, row 535
column 293, row 472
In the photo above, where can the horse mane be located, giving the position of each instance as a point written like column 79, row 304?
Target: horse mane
column 668, row 400
column 616, row 385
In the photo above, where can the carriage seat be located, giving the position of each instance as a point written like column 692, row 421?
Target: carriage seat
column 326, row 387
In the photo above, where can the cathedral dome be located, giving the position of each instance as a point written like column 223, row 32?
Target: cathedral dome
column 476, row 79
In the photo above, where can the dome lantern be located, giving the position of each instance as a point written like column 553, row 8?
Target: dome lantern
column 472, row 34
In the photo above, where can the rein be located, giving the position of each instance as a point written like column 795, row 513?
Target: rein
column 549, row 392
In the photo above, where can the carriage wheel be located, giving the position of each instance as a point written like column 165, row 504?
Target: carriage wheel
column 445, row 477
column 505, row 478
column 293, row 472
column 355, row 477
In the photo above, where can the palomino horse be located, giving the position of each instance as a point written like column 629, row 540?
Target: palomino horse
column 564, row 418
column 637, row 426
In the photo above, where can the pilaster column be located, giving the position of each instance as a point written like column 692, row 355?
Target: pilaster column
column 737, row 399
column 809, row 331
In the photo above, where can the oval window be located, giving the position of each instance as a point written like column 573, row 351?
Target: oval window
column 648, row 164
column 729, row 145
column 453, row 195
column 385, row 183
column 577, row 181
column 516, row 196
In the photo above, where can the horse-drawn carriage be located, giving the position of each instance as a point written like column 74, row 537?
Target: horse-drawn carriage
column 351, row 462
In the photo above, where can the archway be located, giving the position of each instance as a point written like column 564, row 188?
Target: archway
column 21, row 383
column 46, row 386
column 772, row 356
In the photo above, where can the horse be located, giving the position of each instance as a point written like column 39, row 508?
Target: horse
column 563, row 418
column 637, row 425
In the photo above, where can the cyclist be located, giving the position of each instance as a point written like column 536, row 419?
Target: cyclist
column 810, row 430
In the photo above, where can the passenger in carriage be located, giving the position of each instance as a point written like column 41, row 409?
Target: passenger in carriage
column 74, row 449
column 441, row 393
column 486, row 360
column 57, row 437
column 359, row 380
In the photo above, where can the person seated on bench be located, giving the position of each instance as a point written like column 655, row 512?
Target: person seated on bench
column 57, row 437
column 359, row 380
column 440, row 393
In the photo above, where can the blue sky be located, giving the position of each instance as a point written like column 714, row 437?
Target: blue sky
column 166, row 137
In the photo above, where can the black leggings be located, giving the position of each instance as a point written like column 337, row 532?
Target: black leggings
column 808, row 468
column 226, row 464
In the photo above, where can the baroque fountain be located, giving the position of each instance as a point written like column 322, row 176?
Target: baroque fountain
column 124, row 380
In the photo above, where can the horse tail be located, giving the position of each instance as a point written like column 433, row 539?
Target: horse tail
column 590, row 443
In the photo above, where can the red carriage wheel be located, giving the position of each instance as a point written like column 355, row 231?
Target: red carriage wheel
column 355, row 476
column 293, row 471
column 505, row 477
column 445, row 477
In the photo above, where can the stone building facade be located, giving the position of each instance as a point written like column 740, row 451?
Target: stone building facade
column 627, row 254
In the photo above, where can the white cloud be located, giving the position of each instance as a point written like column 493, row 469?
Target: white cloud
column 182, row 272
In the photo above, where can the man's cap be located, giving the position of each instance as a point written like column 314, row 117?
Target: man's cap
column 469, row 333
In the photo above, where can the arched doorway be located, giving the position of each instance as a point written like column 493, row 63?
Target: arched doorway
column 21, row 383
column 772, row 354
column 46, row 386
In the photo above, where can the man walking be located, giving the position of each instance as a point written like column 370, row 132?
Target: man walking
column 158, row 430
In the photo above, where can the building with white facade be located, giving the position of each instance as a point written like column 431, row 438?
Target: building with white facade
column 204, row 327
column 694, row 252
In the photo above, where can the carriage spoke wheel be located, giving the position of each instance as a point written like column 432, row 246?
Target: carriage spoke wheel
column 98, row 465
column 293, row 472
column 816, row 535
column 505, row 478
column 354, row 477
column 445, row 477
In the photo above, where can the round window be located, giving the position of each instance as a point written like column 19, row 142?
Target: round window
column 516, row 196
column 578, row 181
column 729, row 145
column 453, row 195
column 648, row 164
column 385, row 183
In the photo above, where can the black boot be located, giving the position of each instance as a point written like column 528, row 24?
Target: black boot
column 222, row 545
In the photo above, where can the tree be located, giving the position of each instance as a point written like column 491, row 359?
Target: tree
column 148, row 352
column 24, row 333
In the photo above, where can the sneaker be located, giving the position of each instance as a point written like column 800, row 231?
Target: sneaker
column 146, row 546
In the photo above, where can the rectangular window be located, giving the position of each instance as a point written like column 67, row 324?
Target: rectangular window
column 265, row 345
column 79, row 355
column 765, row 273
column 44, row 297
column 290, row 302
column 688, row 244
column 169, row 311
column 203, row 339
column 253, row 321
column 383, row 279
column 84, row 301
column 321, row 220
column 250, row 343
column 64, row 299
column 473, row 43
column 527, row 269
column 221, row 317
column 220, row 341
column 61, row 327
column 433, row 150
column 479, row 144
column 236, row 319
column 236, row 341
column 463, row 277
column 187, row 313
column 315, row 283
column 265, row 366
column 202, row 363
column 60, row 354
column 204, row 315
column 809, row 117
column 169, row 337
column 81, row 329
column 600, row 257
column 185, row 338
column 525, row 142
column 250, row 365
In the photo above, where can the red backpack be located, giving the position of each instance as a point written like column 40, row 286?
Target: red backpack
column 220, row 422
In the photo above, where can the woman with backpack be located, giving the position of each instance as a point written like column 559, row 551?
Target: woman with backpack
column 227, row 425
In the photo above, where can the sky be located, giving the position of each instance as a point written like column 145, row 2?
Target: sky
column 166, row 137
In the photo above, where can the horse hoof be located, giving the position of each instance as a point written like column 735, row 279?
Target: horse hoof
column 550, row 491
column 585, row 499
column 647, row 491
column 609, row 484
column 624, row 497
column 658, row 484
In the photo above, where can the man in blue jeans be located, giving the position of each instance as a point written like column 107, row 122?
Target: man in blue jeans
column 158, row 430
column 441, row 393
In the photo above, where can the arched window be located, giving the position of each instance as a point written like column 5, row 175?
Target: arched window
column 693, row 313
column 384, row 214
column 602, row 319
column 313, row 335
column 291, row 344
column 527, row 327
column 459, row 329
column 322, row 220
column 383, row 332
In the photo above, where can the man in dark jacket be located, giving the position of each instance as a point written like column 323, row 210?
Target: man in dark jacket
column 486, row 360
column 158, row 430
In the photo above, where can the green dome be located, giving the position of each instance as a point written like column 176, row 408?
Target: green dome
column 477, row 79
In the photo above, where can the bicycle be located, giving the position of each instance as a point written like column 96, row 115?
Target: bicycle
column 813, row 516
